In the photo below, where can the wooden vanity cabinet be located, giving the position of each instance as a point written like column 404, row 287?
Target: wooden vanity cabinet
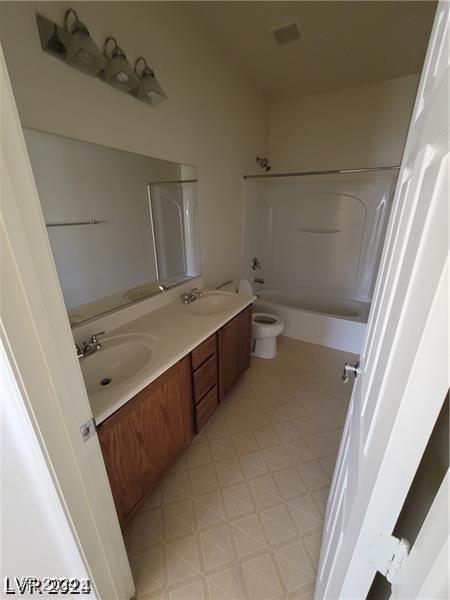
column 143, row 438
column 235, row 340
column 205, row 379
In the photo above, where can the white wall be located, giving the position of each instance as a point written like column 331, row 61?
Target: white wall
column 363, row 126
column 213, row 118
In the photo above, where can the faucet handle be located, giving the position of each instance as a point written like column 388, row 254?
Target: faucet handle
column 94, row 336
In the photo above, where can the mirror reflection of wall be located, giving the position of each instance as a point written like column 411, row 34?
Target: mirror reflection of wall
column 112, row 262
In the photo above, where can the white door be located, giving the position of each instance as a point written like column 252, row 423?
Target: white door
column 403, row 370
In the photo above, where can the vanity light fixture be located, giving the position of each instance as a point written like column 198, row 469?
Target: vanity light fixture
column 118, row 72
column 73, row 44
column 149, row 90
column 82, row 52
column 54, row 39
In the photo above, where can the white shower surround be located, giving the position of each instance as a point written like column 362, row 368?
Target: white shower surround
column 319, row 241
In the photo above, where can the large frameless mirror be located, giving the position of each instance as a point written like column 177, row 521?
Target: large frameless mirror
column 122, row 226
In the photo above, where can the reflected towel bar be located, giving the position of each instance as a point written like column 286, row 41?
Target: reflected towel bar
column 67, row 223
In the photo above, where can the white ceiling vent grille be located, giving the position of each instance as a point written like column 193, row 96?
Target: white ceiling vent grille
column 287, row 33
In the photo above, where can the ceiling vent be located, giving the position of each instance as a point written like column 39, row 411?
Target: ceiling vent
column 287, row 33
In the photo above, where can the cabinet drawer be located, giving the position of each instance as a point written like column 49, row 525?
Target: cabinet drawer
column 205, row 377
column 205, row 408
column 203, row 351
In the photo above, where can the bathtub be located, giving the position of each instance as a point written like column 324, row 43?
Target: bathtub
column 334, row 322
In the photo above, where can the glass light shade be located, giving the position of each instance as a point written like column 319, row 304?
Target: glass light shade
column 150, row 90
column 118, row 72
column 82, row 52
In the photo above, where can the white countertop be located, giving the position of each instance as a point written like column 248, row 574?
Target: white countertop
column 178, row 333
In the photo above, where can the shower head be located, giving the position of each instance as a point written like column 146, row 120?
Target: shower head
column 263, row 163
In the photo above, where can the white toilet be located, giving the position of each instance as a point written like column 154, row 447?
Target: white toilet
column 265, row 328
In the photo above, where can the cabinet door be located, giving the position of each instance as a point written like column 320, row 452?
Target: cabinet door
column 142, row 439
column 228, row 344
column 244, row 320
column 234, row 349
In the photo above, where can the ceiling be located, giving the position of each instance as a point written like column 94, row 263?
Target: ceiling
column 342, row 44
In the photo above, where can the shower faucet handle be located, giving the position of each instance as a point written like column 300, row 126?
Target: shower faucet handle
column 255, row 263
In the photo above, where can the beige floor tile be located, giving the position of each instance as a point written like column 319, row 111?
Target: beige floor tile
column 320, row 498
column 328, row 463
column 209, row 509
column 295, row 568
column 244, row 442
column 278, row 524
column 266, row 437
column 240, row 515
column 176, row 486
column 306, row 426
column 237, row 500
column 145, row 532
column 182, row 559
column 194, row 590
column 149, row 570
column 257, row 419
column 198, row 455
column 289, row 483
column 261, row 579
column 226, row 585
column 222, row 448
column 253, row 464
column 294, row 410
column 305, row 513
column 237, row 423
column 203, row 480
column 228, row 472
column 178, row 519
column 277, row 457
column 319, row 445
column 312, row 544
column 248, row 535
column 313, row 475
column 216, row 548
column 264, row 491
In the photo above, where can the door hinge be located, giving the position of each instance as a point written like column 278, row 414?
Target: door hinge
column 88, row 429
column 388, row 555
column 397, row 559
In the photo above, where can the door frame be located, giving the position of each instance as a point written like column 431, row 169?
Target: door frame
column 36, row 334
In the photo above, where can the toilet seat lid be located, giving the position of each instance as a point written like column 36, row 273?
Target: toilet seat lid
column 245, row 287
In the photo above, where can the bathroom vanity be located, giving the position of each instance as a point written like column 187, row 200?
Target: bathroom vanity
column 148, row 433
column 124, row 233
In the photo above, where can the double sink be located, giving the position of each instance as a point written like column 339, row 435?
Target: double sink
column 125, row 359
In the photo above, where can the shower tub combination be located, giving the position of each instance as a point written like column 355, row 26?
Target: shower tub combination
column 317, row 243
column 327, row 321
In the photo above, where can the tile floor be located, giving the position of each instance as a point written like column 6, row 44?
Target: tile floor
column 240, row 515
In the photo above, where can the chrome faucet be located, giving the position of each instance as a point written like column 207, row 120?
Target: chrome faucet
column 189, row 297
column 91, row 347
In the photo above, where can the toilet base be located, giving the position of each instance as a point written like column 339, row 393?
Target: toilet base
column 265, row 347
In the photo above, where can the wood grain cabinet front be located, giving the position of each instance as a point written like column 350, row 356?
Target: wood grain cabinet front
column 142, row 439
column 235, row 340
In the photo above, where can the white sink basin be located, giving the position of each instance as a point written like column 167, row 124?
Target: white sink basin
column 122, row 360
column 211, row 303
